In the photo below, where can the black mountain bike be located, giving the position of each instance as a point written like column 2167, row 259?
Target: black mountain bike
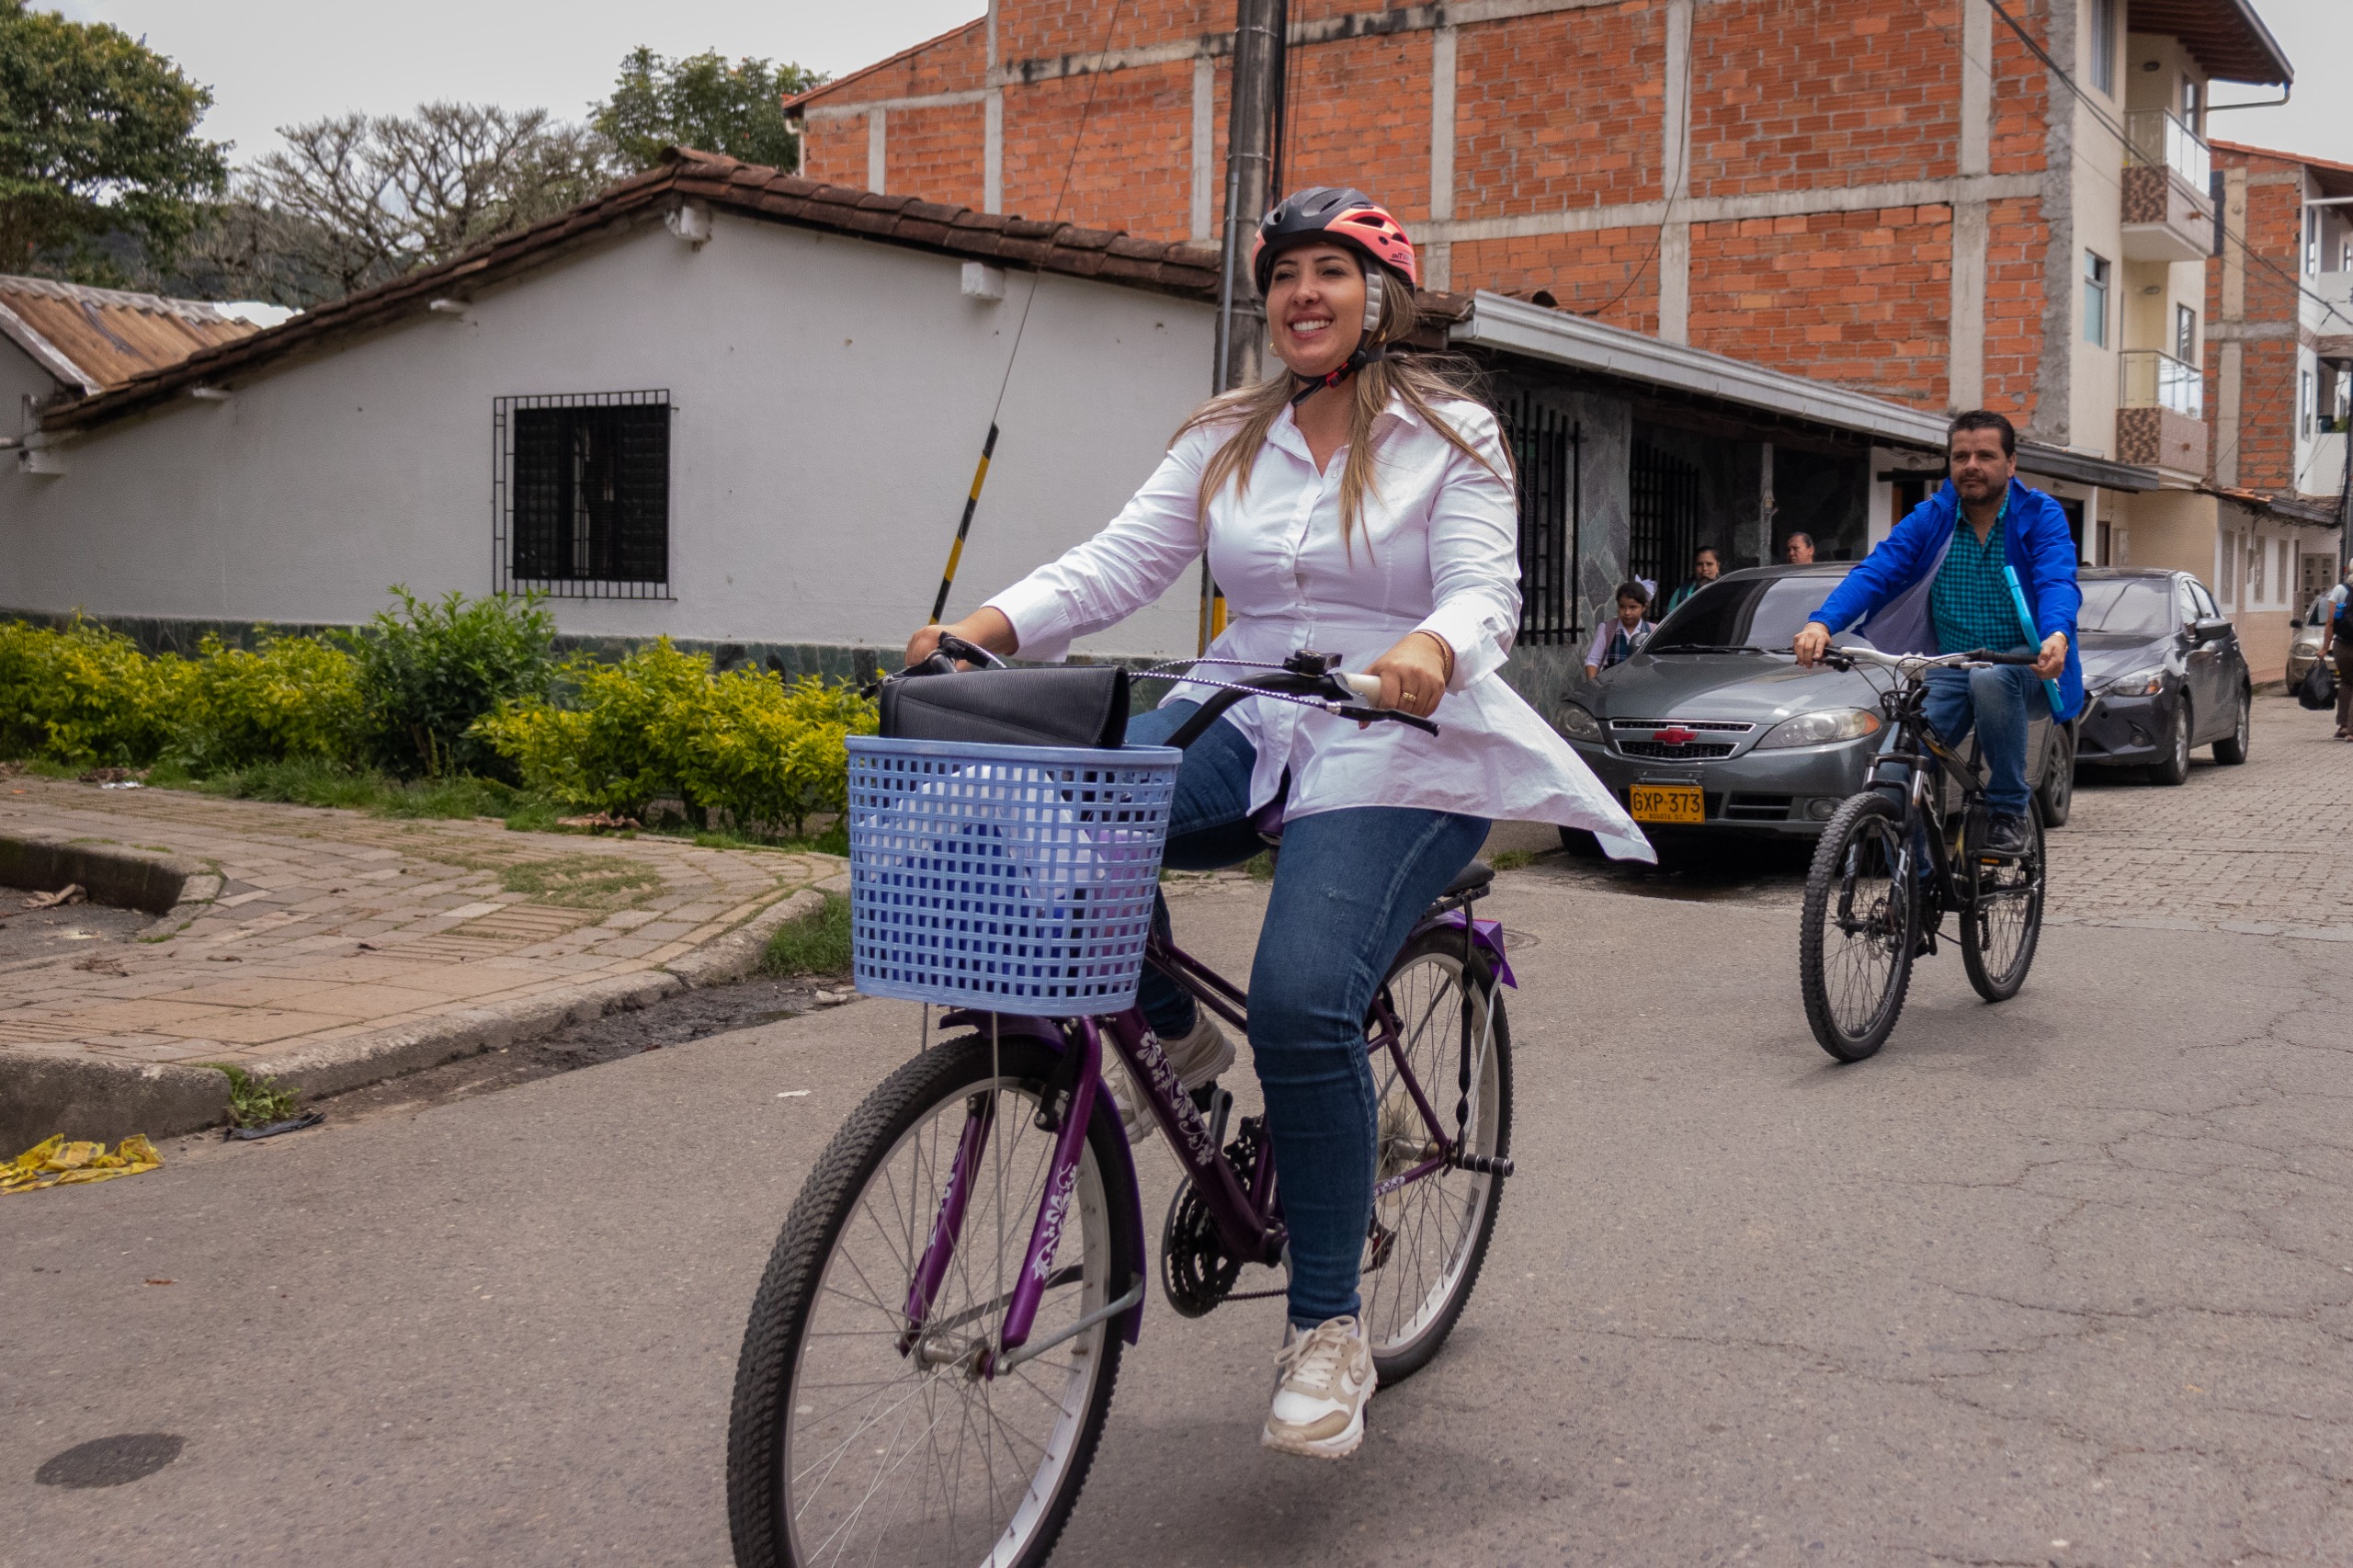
column 1901, row 855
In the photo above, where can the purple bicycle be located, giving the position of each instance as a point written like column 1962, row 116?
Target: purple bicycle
column 931, row 1354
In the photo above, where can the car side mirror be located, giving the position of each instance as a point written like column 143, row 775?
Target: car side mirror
column 2209, row 631
column 2298, row 625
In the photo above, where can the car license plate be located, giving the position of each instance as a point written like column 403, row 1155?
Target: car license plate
column 1668, row 802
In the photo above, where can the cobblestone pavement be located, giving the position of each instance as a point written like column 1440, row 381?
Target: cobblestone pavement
column 2262, row 849
column 330, row 925
column 2265, row 849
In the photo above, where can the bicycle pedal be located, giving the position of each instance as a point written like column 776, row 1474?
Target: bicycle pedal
column 1484, row 1165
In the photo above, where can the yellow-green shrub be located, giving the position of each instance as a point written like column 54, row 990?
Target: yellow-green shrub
column 293, row 698
column 81, row 694
column 661, row 724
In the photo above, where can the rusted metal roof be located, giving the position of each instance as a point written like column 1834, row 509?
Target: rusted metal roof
column 751, row 190
column 2224, row 36
column 97, row 338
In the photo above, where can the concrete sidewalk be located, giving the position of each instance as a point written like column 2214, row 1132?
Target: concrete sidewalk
column 337, row 949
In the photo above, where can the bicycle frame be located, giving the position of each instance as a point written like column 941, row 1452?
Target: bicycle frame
column 1929, row 766
column 1247, row 1212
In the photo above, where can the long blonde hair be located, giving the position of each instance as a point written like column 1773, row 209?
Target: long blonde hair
column 1420, row 382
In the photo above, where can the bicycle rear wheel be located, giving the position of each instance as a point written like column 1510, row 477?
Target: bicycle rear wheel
column 1862, row 916
column 1429, row 1237
column 2001, row 922
column 858, row 1438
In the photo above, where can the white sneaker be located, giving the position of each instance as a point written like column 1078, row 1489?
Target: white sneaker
column 1327, row 1375
column 1197, row 1058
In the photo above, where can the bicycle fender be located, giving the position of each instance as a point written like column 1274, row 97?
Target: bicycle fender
column 1050, row 1033
column 1487, row 936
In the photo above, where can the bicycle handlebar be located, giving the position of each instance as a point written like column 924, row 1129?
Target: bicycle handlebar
column 1848, row 658
column 1308, row 679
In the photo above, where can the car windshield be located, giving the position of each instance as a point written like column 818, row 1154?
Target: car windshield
column 1749, row 613
column 2128, row 607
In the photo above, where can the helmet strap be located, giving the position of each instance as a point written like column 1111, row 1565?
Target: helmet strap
column 1310, row 385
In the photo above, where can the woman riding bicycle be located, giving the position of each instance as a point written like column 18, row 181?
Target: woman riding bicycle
column 1358, row 504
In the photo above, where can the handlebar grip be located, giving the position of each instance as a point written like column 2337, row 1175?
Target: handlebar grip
column 1983, row 655
column 1364, row 686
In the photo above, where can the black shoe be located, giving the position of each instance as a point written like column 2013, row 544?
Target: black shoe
column 2006, row 834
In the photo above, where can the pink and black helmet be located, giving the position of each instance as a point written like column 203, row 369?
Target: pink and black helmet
column 1340, row 215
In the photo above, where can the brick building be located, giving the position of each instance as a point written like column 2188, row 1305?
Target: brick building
column 1945, row 205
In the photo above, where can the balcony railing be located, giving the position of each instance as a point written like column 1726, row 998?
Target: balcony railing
column 2155, row 380
column 2154, row 137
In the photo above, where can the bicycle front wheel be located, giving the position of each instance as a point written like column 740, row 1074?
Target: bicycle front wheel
column 2001, row 922
column 1429, row 1235
column 1862, row 915
column 859, row 1437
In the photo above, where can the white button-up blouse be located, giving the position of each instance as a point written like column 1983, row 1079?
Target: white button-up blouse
column 1436, row 550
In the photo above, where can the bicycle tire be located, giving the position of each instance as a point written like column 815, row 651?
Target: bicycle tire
column 1411, row 1302
column 1991, row 889
column 776, row 1523
column 1861, row 837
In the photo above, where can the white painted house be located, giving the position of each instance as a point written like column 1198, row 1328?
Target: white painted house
column 720, row 403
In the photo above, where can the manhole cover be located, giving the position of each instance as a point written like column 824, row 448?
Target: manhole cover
column 110, row 1462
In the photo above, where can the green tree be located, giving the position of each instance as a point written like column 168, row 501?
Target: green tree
column 703, row 102
column 98, row 137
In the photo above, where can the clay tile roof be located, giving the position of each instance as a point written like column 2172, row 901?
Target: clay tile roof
column 95, row 338
column 751, row 189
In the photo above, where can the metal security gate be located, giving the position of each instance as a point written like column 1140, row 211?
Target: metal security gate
column 1664, row 506
column 1547, row 449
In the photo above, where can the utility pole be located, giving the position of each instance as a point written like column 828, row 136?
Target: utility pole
column 1261, row 31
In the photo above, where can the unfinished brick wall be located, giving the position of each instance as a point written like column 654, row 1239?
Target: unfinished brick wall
column 1554, row 112
column 2266, row 332
column 1862, row 299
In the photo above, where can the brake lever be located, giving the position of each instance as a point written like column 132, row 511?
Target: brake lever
column 1376, row 715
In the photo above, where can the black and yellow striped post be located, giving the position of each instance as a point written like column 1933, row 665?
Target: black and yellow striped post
column 964, row 528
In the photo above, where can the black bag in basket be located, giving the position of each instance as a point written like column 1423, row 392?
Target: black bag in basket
column 1068, row 705
column 2317, row 690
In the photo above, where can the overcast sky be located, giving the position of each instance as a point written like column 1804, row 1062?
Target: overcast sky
column 272, row 62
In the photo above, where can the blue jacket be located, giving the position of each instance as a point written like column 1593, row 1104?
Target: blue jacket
column 1888, row 589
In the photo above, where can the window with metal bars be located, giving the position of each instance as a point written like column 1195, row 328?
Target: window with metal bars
column 1547, row 449
column 1663, row 515
column 581, row 494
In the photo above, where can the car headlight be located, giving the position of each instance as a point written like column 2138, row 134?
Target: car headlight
column 2140, row 683
column 1822, row 728
column 1578, row 724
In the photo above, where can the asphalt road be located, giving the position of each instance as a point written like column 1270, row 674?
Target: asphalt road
column 2068, row 1281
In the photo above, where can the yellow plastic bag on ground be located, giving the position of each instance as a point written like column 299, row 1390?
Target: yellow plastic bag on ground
column 59, row 1163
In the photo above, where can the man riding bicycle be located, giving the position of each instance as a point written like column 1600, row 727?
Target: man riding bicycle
column 1934, row 586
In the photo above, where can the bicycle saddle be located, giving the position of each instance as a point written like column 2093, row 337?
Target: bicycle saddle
column 1476, row 875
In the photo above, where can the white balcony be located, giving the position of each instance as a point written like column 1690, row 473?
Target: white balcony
column 2169, row 207
column 2160, row 412
column 2328, row 304
column 2152, row 378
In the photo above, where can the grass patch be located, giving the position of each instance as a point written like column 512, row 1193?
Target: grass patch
column 835, row 840
column 40, row 768
column 310, row 782
column 255, row 1102
column 1261, row 867
column 815, row 943
column 581, row 881
column 1512, row 859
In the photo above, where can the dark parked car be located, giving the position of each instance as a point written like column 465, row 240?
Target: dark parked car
column 2163, row 673
column 1712, row 729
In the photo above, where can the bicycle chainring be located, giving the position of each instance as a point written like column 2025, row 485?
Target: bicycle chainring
column 1197, row 1272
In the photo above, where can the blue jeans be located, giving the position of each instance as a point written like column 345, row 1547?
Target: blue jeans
column 2001, row 701
column 1349, row 887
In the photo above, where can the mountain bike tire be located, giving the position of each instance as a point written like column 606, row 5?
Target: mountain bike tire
column 1417, row 1281
column 870, row 1198
column 1860, row 887
column 2002, row 923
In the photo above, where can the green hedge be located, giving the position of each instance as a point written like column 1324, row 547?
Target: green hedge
column 661, row 724
column 446, row 690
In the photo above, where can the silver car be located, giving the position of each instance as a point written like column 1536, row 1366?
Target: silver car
column 1713, row 730
column 2303, row 648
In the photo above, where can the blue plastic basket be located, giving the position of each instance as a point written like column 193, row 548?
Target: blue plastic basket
column 1014, row 879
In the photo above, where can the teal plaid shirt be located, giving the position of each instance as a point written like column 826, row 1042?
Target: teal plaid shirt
column 1970, row 602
